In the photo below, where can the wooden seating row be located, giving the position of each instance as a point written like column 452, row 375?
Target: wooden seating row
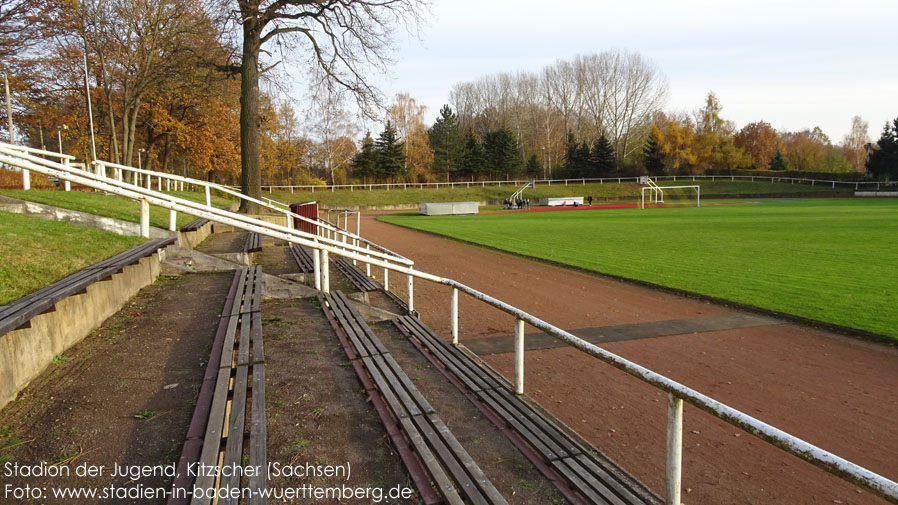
column 18, row 313
column 228, row 428
column 453, row 472
column 593, row 477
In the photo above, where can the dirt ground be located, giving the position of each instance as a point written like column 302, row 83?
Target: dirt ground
column 124, row 395
column 833, row 391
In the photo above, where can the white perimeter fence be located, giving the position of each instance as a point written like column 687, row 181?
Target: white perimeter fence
column 856, row 185
column 323, row 245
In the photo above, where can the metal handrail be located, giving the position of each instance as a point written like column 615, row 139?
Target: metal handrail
column 678, row 393
column 194, row 206
column 210, row 185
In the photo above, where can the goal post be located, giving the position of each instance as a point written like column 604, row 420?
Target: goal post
column 657, row 193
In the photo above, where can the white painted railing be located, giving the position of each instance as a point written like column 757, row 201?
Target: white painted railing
column 64, row 159
column 142, row 175
column 677, row 393
column 574, row 181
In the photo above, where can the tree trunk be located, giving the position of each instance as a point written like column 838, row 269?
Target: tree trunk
column 250, row 119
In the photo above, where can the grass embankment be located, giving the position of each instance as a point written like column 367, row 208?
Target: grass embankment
column 37, row 252
column 612, row 191
column 830, row 260
column 111, row 206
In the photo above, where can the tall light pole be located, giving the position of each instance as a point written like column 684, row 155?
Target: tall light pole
column 141, row 150
column 59, row 134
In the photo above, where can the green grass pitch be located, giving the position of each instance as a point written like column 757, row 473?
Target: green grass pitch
column 829, row 260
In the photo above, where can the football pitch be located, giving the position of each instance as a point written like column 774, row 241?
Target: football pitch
column 831, row 260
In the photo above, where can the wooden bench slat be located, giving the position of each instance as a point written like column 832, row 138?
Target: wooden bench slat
column 212, row 438
column 459, row 366
column 437, row 447
column 524, row 428
column 598, row 479
column 194, row 225
column 444, row 484
column 361, row 281
column 303, row 259
column 18, row 312
column 258, row 436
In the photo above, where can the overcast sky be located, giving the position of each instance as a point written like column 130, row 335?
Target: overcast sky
column 793, row 63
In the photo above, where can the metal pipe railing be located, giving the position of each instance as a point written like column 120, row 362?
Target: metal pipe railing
column 209, row 212
column 677, row 393
column 270, row 204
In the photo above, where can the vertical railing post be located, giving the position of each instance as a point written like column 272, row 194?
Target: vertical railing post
column 316, row 257
column 368, row 265
column 172, row 220
column 144, row 218
column 411, row 293
column 208, row 197
column 674, row 448
column 325, row 272
column 386, row 280
column 453, row 315
column 67, row 184
column 519, row 356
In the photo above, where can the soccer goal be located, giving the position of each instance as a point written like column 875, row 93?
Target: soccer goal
column 682, row 195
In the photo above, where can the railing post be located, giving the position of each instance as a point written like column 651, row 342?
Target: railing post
column 386, row 280
column 519, row 356
column 208, row 197
column 316, row 258
column 411, row 293
column 144, row 218
column 674, row 448
column 172, row 220
column 368, row 265
column 67, row 184
column 26, row 179
column 453, row 315
column 325, row 272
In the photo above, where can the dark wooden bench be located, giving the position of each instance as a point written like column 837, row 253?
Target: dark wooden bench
column 253, row 242
column 194, row 225
column 358, row 279
column 453, row 471
column 303, row 259
column 228, row 425
column 18, row 313
column 589, row 476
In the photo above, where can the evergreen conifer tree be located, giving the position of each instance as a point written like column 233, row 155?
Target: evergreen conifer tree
column 364, row 164
column 447, row 143
column 390, row 153
column 602, row 158
column 652, row 158
column 779, row 161
column 503, row 154
column 883, row 161
column 533, row 169
column 473, row 161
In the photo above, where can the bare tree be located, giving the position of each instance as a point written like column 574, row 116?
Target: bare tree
column 853, row 145
column 342, row 38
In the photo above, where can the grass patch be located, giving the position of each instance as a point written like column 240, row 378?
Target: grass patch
column 59, row 359
column 830, row 260
column 37, row 252
column 146, row 415
column 111, row 206
column 628, row 191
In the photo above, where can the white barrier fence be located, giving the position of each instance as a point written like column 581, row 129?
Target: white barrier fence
column 677, row 393
column 856, row 185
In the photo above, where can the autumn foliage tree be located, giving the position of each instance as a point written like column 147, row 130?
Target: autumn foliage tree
column 760, row 141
